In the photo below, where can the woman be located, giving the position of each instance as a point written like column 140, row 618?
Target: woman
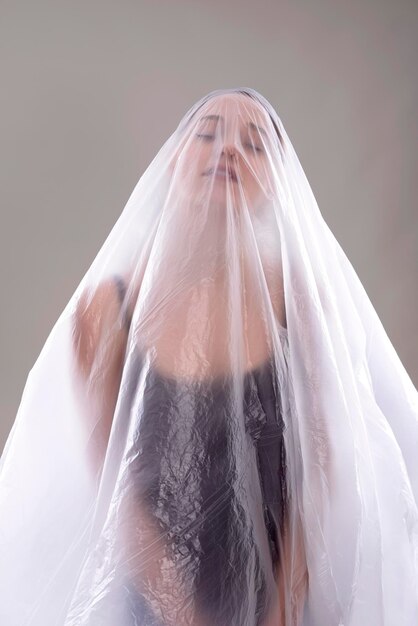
column 97, row 314
column 219, row 428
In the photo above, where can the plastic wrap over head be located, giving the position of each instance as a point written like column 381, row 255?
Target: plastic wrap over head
column 218, row 430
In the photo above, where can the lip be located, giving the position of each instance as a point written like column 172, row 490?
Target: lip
column 223, row 171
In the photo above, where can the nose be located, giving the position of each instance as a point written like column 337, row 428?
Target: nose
column 229, row 150
column 228, row 141
column 229, row 153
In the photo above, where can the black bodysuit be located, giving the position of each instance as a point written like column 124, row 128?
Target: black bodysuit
column 184, row 470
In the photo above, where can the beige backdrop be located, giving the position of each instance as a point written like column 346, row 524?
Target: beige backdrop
column 91, row 90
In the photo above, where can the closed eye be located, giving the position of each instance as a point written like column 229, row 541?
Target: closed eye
column 253, row 147
column 207, row 137
column 203, row 136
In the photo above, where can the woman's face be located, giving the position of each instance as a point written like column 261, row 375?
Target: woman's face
column 225, row 157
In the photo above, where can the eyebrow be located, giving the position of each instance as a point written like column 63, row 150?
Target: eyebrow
column 220, row 117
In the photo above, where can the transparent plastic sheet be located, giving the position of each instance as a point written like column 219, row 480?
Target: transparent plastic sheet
column 217, row 430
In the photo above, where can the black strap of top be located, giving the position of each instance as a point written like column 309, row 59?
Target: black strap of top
column 121, row 288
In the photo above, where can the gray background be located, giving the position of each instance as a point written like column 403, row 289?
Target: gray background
column 91, row 90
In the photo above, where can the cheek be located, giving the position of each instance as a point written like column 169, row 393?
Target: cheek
column 251, row 176
column 255, row 184
column 199, row 158
column 190, row 163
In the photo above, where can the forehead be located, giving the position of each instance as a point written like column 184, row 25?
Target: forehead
column 233, row 106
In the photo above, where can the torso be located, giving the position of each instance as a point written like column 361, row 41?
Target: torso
column 201, row 350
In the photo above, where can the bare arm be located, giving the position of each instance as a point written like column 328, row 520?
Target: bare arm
column 291, row 579
column 99, row 342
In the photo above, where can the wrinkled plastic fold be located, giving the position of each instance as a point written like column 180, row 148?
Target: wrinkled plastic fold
column 218, row 430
